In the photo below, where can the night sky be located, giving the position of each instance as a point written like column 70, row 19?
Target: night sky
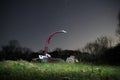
column 31, row 21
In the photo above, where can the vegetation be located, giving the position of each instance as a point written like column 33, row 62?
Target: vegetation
column 23, row 70
column 98, row 60
column 118, row 28
column 97, row 52
column 13, row 51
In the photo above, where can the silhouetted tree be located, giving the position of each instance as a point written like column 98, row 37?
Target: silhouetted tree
column 26, row 53
column 112, row 56
column 98, row 46
column 118, row 28
column 57, row 53
column 13, row 51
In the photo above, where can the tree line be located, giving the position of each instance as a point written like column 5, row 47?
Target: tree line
column 99, row 51
column 13, row 51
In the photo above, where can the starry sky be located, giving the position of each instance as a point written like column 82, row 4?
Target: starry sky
column 31, row 21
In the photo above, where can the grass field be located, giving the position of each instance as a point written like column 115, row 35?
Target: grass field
column 23, row 70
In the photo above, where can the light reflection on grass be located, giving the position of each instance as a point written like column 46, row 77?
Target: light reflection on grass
column 23, row 70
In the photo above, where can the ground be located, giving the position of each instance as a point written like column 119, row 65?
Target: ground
column 23, row 70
